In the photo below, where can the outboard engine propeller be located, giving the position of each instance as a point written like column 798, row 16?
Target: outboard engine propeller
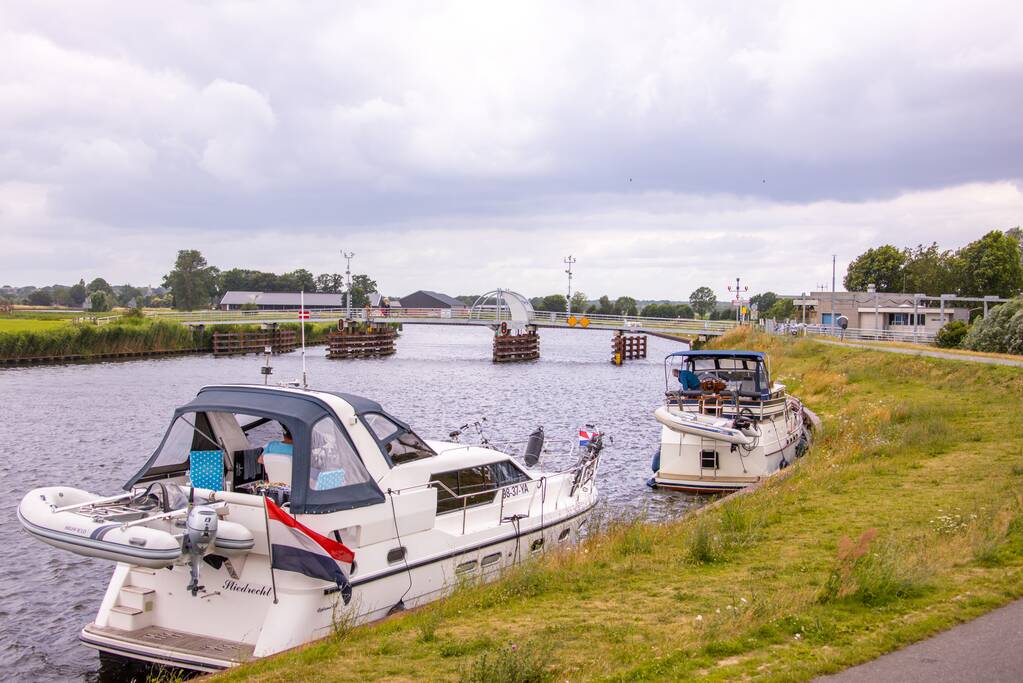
column 200, row 533
column 534, row 447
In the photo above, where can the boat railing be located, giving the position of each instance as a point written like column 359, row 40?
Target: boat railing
column 719, row 404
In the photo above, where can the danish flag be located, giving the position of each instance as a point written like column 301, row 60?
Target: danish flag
column 303, row 314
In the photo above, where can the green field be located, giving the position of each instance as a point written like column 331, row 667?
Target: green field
column 17, row 324
column 904, row 519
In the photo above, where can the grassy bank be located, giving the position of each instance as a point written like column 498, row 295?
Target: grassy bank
column 904, row 519
column 131, row 335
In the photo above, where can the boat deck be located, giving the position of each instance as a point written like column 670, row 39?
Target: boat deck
column 171, row 645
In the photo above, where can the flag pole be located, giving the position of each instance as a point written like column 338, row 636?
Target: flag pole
column 269, row 547
column 301, row 322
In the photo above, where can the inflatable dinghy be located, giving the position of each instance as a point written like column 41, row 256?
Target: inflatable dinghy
column 138, row 528
column 707, row 426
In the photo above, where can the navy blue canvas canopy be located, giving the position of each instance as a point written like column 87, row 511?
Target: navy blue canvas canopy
column 298, row 412
column 718, row 354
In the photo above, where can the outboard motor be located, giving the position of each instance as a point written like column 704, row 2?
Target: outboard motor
column 534, row 447
column 200, row 533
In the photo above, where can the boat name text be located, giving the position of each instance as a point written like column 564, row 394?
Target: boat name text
column 232, row 585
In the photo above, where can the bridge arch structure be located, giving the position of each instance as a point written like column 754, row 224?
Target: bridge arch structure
column 502, row 304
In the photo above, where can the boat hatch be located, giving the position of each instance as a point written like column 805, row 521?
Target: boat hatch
column 229, row 437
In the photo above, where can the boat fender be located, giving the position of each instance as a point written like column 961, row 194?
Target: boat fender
column 655, row 464
column 534, row 447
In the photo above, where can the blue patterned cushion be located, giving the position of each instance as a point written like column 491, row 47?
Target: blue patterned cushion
column 206, row 470
column 330, row 479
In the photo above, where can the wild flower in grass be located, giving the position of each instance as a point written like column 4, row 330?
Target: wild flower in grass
column 838, row 582
column 952, row 523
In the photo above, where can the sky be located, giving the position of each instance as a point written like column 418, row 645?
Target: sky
column 468, row 146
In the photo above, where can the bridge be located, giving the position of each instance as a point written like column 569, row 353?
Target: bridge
column 672, row 327
column 370, row 331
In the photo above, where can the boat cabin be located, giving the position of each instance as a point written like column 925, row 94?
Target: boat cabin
column 741, row 375
column 317, row 451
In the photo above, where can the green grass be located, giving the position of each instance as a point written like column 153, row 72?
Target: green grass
column 30, row 324
column 903, row 520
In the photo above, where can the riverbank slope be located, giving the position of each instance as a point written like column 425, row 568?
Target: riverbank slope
column 903, row 520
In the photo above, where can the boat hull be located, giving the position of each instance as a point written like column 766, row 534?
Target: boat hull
column 701, row 462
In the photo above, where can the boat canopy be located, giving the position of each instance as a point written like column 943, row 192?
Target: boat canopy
column 745, row 371
column 303, row 415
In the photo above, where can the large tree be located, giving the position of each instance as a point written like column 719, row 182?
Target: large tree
column 100, row 285
column 192, row 282
column 929, row 270
column 763, row 301
column 990, row 265
column 300, row 280
column 41, row 297
column 880, row 266
column 579, row 302
column 625, row 305
column 703, row 301
column 77, row 293
column 362, row 287
column 331, row 283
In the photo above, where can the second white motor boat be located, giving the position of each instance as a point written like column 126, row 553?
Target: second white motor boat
column 268, row 513
column 724, row 424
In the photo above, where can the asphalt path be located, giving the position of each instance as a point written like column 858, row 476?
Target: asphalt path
column 989, row 649
column 930, row 354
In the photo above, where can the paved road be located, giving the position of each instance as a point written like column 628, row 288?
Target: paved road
column 932, row 354
column 989, row 649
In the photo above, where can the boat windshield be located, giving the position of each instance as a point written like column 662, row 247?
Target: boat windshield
column 746, row 375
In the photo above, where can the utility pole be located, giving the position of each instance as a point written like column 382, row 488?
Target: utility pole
column 347, row 255
column 568, row 302
column 833, row 257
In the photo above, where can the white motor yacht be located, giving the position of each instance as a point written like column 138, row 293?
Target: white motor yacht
column 375, row 520
column 724, row 424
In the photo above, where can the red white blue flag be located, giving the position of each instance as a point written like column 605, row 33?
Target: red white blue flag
column 295, row 547
column 585, row 437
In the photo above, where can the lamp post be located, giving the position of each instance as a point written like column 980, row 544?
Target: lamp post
column 568, row 302
column 872, row 289
column 833, row 257
column 347, row 255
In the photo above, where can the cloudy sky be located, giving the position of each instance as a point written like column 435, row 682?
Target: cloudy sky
column 467, row 146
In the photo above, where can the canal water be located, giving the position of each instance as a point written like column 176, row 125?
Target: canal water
column 93, row 425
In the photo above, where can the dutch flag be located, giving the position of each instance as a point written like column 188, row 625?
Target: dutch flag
column 297, row 548
column 585, row 436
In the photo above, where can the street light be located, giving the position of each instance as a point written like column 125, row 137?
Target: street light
column 347, row 255
column 872, row 289
column 568, row 302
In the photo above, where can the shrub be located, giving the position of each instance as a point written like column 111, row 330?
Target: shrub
column 1000, row 331
column 951, row 335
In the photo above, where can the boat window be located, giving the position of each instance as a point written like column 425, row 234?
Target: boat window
column 190, row 432
column 399, row 443
column 479, row 483
column 446, row 501
column 506, row 472
column 708, row 460
column 333, row 462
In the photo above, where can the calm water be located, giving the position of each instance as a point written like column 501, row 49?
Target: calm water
column 92, row 426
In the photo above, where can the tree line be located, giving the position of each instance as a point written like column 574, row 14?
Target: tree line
column 195, row 284
column 100, row 295
column 702, row 303
column 991, row 265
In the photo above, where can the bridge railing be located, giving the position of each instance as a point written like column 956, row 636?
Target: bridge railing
column 627, row 322
column 552, row 318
